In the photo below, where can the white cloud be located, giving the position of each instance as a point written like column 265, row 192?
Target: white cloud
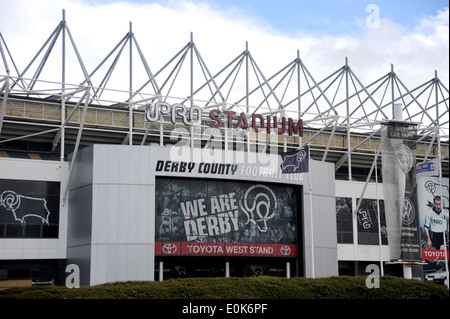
column 220, row 36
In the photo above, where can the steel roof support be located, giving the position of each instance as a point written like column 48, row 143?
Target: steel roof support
column 307, row 74
column 5, row 60
column 128, row 40
column 86, row 97
column 333, row 120
column 395, row 78
column 331, row 138
column 51, row 40
column 99, row 90
column 240, row 58
column 191, row 49
column 64, row 119
column 29, row 135
column 268, row 94
column 5, row 89
column 349, row 156
column 146, row 66
column 130, row 102
column 203, row 65
column 361, row 197
column 369, row 96
column 345, row 155
column 53, row 36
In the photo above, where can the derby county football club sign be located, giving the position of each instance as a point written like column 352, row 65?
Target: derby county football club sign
column 225, row 218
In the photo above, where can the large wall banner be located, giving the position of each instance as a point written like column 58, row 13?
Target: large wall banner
column 433, row 216
column 198, row 217
column 399, row 187
column 29, row 209
column 433, row 203
column 368, row 227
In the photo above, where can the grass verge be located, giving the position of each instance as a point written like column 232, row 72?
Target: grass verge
column 240, row 288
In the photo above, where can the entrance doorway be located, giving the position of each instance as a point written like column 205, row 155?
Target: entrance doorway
column 202, row 267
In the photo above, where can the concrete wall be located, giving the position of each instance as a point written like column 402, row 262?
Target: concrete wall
column 111, row 234
column 319, row 220
column 354, row 251
column 32, row 248
column 79, row 232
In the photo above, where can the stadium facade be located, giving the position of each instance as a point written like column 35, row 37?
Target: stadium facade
column 245, row 175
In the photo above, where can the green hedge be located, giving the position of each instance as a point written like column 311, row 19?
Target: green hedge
column 241, row 288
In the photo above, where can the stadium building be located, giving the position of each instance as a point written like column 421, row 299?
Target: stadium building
column 196, row 172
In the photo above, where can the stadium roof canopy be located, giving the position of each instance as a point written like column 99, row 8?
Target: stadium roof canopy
column 342, row 117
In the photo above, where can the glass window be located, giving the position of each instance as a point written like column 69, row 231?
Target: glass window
column 344, row 220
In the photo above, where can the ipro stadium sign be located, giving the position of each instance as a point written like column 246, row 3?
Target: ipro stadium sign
column 218, row 118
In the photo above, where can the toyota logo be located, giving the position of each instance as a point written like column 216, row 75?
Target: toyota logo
column 285, row 250
column 169, row 248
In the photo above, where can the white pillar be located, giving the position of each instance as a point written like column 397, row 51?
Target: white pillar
column 407, row 271
column 161, row 271
column 227, row 269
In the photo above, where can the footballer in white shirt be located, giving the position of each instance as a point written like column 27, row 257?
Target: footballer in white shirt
column 436, row 224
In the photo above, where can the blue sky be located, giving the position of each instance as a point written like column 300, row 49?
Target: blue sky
column 328, row 15
column 334, row 17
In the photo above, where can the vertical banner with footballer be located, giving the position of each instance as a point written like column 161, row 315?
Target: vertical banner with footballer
column 434, row 215
column 433, row 201
column 399, row 181
column 225, row 218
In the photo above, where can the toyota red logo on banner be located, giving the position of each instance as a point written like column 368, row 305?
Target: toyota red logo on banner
column 225, row 218
column 169, row 249
column 224, row 249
